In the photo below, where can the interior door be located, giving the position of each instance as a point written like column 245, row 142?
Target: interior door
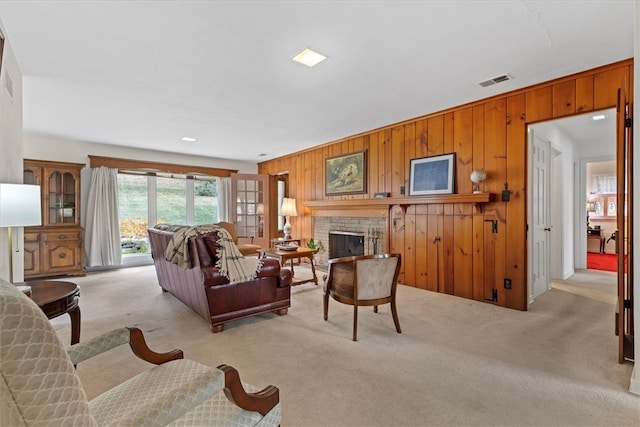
column 539, row 215
column 249, row 210
column 624, row 232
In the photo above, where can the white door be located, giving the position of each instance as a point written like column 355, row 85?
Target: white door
column 539, row 215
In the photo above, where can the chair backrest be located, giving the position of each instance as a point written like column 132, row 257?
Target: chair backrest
column 39, row 385
column 364, row 277
column 377, row 276
column 231, row 228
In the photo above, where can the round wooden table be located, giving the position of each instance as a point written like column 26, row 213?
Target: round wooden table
column 56, row 298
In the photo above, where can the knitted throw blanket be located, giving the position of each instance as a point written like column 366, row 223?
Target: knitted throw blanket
column 231, row 263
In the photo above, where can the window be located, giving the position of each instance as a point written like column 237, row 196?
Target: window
column 146, row 200
column 171, row 197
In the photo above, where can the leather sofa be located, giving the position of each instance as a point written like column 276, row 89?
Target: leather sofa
column 207, row 292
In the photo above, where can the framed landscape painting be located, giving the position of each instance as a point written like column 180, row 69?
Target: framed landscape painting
column 346, row 174
column 432, row 175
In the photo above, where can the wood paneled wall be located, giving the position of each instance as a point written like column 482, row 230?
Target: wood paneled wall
column 453, row 248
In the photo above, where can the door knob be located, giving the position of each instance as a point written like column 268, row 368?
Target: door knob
column 547, row 229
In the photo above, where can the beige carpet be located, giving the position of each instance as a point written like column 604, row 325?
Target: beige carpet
column 457, row 363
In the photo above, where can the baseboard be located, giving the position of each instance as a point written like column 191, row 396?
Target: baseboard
column 568, row 274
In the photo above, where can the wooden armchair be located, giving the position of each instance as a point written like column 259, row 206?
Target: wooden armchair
column 40, row 386
column 246, row 249
column 363, row 281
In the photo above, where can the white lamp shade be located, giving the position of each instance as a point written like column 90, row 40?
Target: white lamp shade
column 288, row 207
column 20, row 205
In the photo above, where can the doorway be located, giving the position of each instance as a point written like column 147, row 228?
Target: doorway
column 574, row 142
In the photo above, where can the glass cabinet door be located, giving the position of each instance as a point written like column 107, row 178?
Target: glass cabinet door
column 62, row 198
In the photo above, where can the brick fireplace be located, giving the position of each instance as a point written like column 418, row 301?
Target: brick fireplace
column 370, row 228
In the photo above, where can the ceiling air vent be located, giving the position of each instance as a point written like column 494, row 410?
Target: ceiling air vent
column 494, row 80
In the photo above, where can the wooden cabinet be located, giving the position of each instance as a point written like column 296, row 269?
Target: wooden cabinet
column 56, row 247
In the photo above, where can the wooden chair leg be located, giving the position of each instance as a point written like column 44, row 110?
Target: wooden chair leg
column 325, row 303
column 394, row 313
column 355, row 322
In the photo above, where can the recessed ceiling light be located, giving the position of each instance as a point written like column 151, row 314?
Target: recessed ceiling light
column 599, row 117
column 309, row 58
column 188, row 139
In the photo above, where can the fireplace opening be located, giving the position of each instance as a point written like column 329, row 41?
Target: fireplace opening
column 345, row 243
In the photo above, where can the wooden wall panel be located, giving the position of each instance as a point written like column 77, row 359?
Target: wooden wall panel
column 463, row 256
column 420, row 146
column 605, row 87
column 397, row 160
column 539, row 104
column 584, row 94
column 564, row 98
column 496, row 165
column 463, row 147
column 409, row 256
column 479, row 263
column 422, row 250
column 451, row 247
column 516, row 231
column 435, row 135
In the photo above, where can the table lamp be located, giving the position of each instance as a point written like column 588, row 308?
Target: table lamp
column 19, row 207
column 288, row 209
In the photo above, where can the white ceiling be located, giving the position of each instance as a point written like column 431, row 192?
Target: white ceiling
column 146, row 73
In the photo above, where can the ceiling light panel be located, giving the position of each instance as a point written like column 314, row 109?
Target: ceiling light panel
column 309, row 58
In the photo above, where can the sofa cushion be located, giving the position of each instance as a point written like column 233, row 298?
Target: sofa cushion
column 206, row 247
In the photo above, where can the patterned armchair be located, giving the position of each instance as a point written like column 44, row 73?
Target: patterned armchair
column 40, row 387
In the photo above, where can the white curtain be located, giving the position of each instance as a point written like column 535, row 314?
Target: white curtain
column 102, row 233
column 224, row 199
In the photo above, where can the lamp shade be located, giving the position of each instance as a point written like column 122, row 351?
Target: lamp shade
column 288, row 207
column 20, row 205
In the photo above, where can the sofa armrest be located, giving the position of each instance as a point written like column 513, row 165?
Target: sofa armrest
column 262, row 402
column 270, row 268
column 115, row 338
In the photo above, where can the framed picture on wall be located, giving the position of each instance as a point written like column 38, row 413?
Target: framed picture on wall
column 432, row 175
column 346, row 174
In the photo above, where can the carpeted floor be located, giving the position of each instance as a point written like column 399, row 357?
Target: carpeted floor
column 604, row 262
column 457, row 363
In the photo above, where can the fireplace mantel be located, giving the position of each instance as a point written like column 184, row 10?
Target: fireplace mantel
column 380, row 207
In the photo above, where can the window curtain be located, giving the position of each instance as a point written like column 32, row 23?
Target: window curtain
column 224, row 199
column 102, row 230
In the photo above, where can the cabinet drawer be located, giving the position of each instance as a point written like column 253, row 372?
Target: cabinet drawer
column 31, row 236
column 60, row 236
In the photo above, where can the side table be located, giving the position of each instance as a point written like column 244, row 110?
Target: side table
column 56, row 298
column 283, row 256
